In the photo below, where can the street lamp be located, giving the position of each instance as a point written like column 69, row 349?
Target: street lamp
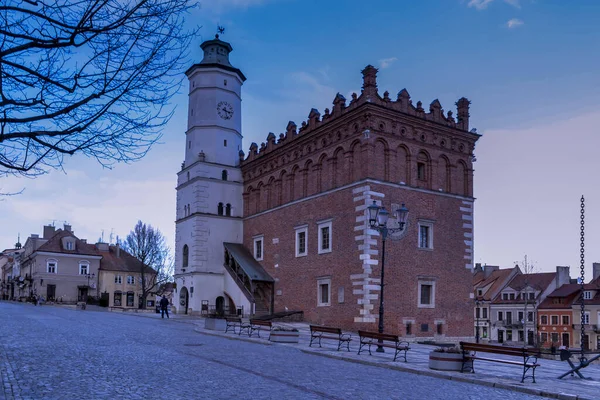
column 378, row 219
column 477, row 311
column 89, row 276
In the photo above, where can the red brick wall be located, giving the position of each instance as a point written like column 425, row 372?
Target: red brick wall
column 297, row 277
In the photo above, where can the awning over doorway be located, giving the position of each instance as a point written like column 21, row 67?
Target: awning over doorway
column 246, row 261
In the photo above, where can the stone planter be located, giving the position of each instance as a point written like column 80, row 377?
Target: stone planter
column 284, row 336
column 446, row 361
column 215, row 324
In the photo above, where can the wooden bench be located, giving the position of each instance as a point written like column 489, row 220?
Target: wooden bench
column 325, row 332
column 232, row 323
column 256, row 325
column 380, row 339
column 528, row 357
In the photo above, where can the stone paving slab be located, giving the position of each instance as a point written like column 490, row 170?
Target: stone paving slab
column 487, row 373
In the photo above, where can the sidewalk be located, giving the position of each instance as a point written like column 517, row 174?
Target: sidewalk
column 487, row 373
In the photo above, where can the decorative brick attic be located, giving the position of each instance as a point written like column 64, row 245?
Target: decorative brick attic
column 305, row 199
column 332, row 150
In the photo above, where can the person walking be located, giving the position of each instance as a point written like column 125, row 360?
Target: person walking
column 164, row 307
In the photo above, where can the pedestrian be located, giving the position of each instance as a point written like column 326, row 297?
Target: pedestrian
column 164, row 307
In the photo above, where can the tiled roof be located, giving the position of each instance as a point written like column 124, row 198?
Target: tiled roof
column 497, row 278
column 54, row 245
column 124, row 262
column 567, row 294
column 539, row 282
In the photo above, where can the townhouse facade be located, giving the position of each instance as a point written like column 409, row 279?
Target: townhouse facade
column 488, row 281
column 514, row 310
column 555, row 317
column 591, row 315
column 121, row 279
column 59, row 266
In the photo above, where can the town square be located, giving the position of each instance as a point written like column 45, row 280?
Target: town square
column 197, row 201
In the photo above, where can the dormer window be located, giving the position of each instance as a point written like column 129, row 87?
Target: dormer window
column 587, row 295
column 504, row 296
column 70, row 245
column 479, row 292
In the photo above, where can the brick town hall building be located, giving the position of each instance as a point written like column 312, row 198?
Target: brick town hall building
column 285, row 227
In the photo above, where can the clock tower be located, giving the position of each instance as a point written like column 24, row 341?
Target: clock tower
column 209, row 184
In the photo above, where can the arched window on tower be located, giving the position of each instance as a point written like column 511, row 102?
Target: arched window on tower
column 224, row 175
column 228, row 210
column 220, row 209
column 186, row 254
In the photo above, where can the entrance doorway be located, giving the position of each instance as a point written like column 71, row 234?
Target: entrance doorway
column 586, row 342
column 82, row 294
column 565, row 339
column 184, row 298
column 530, row 338
column 50, row 292
column 219, row 305
column 500, row 336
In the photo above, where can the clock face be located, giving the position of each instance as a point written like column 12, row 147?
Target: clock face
column 225, row 110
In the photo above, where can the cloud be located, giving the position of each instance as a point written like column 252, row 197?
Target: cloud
column 514, row 23
column 220, row 6
column 483, row 4
column 386, row 62
column 479, row 4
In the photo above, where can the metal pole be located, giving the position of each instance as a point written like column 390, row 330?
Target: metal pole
column 477, row 311
column 383, row 237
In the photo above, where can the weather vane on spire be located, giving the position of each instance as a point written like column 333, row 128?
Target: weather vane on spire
column 220, row 31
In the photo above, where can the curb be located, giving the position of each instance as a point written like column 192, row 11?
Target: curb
column 430, row 373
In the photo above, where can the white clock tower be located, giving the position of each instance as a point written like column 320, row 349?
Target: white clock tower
column 209, row 185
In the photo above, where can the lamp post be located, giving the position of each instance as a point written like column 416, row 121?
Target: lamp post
column 477, row 311
column 378, row 219
column 89, row 276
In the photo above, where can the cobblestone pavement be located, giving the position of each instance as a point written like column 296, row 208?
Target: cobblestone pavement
column 56, row 353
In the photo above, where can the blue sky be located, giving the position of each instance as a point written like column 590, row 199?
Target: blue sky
column 529, row 67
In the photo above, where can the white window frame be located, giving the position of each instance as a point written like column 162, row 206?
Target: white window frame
column 586, row 318
column 325, row 224
column 587, row 295
column 260, row 239
column 69, row 245
column 83, row 264
column 321, row 282
column 130, row 280
column 429, row 225
column 52, row 261
column 432, row 303
column 299, row 230
column 118, row 279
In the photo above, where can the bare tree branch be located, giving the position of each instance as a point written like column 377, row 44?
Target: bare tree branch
column 90, row 77
column 148, row 245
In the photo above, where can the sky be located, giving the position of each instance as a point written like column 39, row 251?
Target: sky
column 530, row 68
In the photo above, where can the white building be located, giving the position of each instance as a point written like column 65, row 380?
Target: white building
column 209, row 186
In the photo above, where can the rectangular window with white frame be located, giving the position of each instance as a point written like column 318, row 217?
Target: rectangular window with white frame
column 258, row 247
column 301, row 241
column 84, row 268
column 118, row 279
column 51, row 267
column 425, row 235
column 325, row 237
column 323, row 292
column 130, row 280
column 426, row 294
column 586, row 318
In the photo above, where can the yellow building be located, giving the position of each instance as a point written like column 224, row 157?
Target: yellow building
column 120, row 279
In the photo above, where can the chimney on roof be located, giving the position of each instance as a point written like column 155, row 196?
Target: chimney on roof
column 488, row 269
column 83, row 241
column 478, row 268
column 49, row 231
column 67, row 228
column 35, row 236
column 102, row 246
column 595, row 271
column 563, row 276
